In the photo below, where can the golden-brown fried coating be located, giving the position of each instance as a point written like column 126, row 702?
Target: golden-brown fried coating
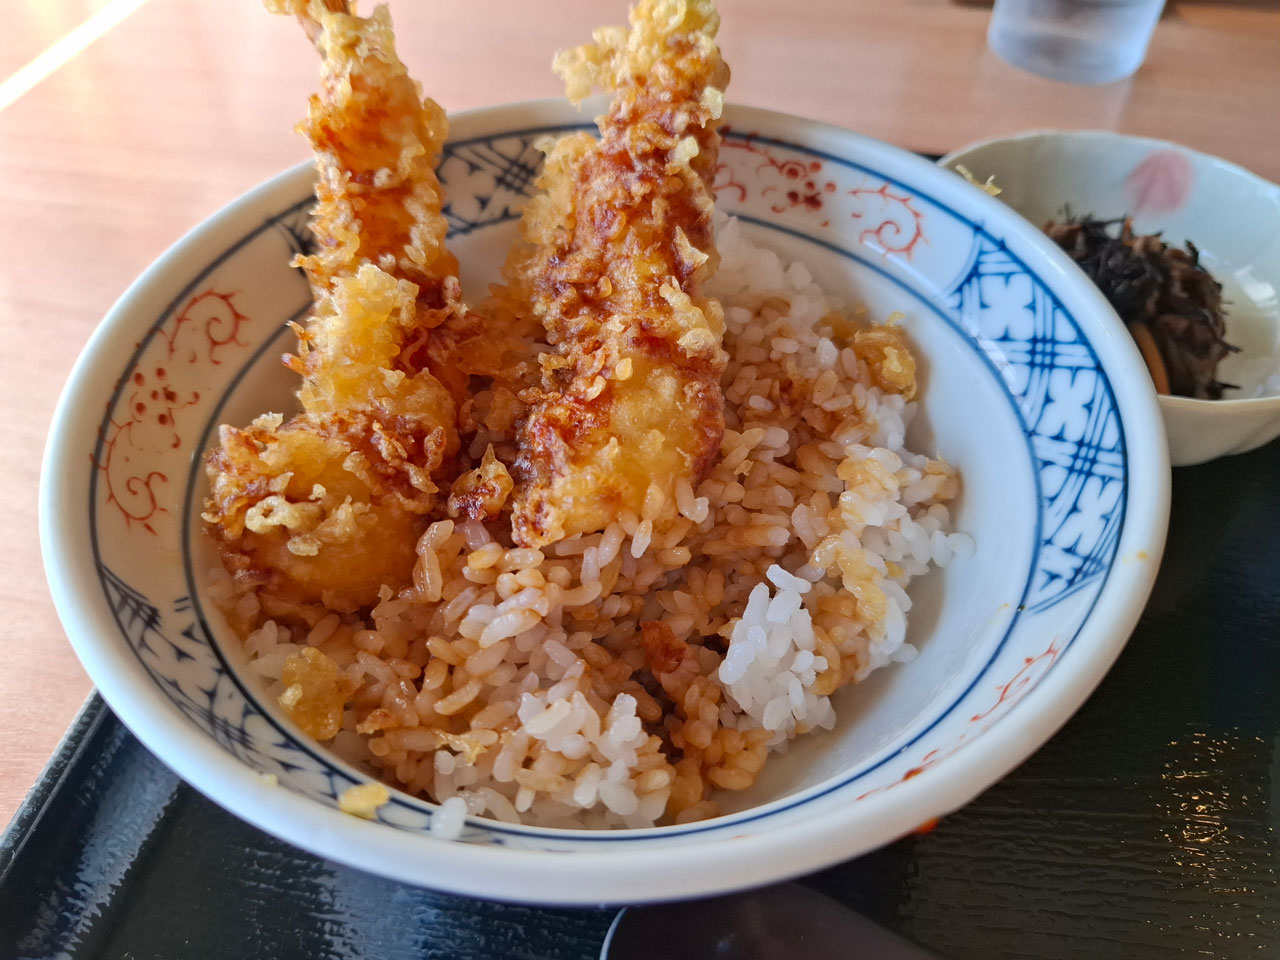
column 363, row 349
column 317, row 509
column 614, row 252
column 329, row 506
column 376, row 143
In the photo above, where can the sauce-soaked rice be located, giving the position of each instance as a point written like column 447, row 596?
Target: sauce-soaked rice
column 521, row 680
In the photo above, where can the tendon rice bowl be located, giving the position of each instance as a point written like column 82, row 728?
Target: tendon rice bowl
column 539, row 686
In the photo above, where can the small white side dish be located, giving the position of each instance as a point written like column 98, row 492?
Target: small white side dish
column 1231, row 215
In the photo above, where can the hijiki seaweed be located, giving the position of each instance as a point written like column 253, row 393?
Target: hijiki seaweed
column 1171, row 305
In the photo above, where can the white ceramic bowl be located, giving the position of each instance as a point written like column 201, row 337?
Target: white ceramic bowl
column 1230, row 214
column 1030, row 387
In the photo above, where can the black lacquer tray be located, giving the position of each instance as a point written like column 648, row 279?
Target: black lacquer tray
column 1145, row 828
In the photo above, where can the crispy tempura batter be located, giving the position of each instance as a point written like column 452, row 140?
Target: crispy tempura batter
column 615, row 251
column 376, row 142
column 329, row 506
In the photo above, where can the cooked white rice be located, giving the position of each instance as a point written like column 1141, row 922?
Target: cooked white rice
column 620, row 679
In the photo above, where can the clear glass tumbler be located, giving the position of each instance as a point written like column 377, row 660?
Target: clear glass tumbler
column 1078, row 41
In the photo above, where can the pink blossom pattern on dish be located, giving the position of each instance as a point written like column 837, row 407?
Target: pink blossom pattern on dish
column 1159, row 184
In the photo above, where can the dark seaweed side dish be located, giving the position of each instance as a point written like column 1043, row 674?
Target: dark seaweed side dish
column 1171, row 305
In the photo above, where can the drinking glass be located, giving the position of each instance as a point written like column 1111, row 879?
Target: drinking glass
column 1078, row 41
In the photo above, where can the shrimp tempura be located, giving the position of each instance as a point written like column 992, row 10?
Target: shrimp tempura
column 377, row 142
column 615, row 251
column 329, row 505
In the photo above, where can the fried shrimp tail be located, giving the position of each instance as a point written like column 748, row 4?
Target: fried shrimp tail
column 377, row 142
column 615, row 251
column 329, row 505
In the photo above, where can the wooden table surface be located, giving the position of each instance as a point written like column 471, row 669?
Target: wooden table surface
column 123, row 123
